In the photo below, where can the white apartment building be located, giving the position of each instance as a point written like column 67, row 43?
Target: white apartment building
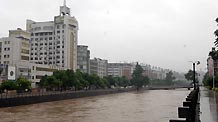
column 15, row 48
column 55, row 42
column 14, row 59
column 120, row 69
column 98, row 66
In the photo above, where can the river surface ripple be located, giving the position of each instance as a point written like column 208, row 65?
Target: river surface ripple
column 144, row 106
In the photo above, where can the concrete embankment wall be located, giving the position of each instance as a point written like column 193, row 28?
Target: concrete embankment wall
column 32, row 99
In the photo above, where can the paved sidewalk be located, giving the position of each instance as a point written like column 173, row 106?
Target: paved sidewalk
column 208, row 105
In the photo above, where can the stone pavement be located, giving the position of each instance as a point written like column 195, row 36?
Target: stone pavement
column 208, row 105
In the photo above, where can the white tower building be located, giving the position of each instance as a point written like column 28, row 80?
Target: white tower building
column 55, row 42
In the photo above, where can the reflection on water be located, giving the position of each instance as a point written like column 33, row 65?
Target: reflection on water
column 146, row 106
column 209, row 105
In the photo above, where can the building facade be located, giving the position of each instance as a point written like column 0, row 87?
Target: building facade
column 83, row 58
column 212, row 66
column 15, row 48
column 15, row 59
column 98, row 66
column 120, row 69
column 55, row 42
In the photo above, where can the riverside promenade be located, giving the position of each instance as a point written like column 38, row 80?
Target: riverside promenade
column 208, row 105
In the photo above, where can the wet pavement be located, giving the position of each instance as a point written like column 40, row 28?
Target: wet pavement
column 208, row 105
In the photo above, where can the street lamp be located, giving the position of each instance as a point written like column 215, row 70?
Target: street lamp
column 194, row 80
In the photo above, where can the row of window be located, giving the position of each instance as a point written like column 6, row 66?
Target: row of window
column 6, row 62
column 46, row 33
column 46, row 38
column 24, row 57
column 25, row 44
column 50, row 53
column 54, row 62
column 45, row 58
column 41, row 34
column 58, row 26
column 7, row 42
column 7, row 49
column 48, row 48
column 25, row 51
column 50, row 43
column 6, row 56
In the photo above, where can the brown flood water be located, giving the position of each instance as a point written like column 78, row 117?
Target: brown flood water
column 145, row 106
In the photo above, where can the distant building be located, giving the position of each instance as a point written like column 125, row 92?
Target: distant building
column 55, row 42
column 98, row 66
column 212, row 66
column 120, row 69
column 154, row 72
column 83, row 58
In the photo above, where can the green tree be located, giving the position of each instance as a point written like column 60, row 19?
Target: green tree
column 23, row 83
column 189, row 76
column 44, row 82
column 8, row 85
column 50, row 82
column 83, row 83
column 54, row 83
column 64, row 76
column 169, row 78
column 138, row 79
column 111, row 81
column 216, row 34
column 214, row 52
column 124, row 82
column 208, row 80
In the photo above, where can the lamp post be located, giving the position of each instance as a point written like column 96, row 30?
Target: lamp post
column 194, row 79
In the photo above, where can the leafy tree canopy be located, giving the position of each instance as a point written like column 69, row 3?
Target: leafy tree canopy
column 8, row 85
column 138, row 79
column 23, row 83
column 169, row 78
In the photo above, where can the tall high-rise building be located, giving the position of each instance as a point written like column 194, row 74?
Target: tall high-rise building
column 83, row 58
column 55, row 42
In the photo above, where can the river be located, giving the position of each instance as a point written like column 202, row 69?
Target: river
column 144, row 106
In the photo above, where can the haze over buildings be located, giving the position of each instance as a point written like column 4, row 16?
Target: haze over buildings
column 167, row 33
column 53, row 45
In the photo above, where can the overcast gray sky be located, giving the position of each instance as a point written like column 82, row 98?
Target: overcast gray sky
column 165, row 33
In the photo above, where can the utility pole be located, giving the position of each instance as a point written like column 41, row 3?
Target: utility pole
column 194, row 80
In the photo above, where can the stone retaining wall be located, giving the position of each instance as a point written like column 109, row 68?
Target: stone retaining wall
column 39, row 98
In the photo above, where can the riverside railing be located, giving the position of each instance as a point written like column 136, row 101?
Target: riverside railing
column 8, row 100
column 189, row 112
